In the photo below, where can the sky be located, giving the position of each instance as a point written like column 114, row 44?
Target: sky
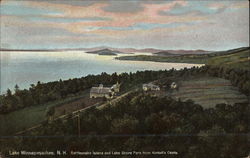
column 189, row 24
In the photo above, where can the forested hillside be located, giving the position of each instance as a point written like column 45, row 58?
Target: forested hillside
column 141, row 122
column 235, row 58
column 46, row 92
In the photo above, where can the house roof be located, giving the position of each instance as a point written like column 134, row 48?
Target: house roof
column 100, row 90
column 150, row 85
column 115, row 86
column 173, row 83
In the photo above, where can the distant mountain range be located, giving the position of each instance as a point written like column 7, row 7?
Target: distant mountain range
column 150, row 50
column 112, row 51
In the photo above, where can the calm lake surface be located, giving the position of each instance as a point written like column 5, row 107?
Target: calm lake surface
column 25, row 68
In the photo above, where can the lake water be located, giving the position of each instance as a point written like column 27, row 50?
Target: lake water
column 25, row 68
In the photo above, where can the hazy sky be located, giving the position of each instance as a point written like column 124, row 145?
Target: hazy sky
column 41, row 24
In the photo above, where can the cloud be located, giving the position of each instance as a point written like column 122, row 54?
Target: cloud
column 65, row 19
column 87, row 18
column 122, row 7
column 240, row 5
column 21, row 9
column 144, row 26
column 38, row 23
column 71, row 3
column 216, row 6
column 201, row 8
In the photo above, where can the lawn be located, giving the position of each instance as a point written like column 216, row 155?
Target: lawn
column 208, row 91
column 30, row 116
column 240, row 60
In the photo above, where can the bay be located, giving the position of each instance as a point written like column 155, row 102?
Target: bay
column 25, row 68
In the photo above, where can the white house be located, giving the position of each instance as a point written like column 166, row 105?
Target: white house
column 173, row 85
column 116, row 88
column 150, row 86
column 107, row 92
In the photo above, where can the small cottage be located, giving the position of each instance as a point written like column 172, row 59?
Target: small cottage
column 173, row 85
column 150, row 86
column 116, row 88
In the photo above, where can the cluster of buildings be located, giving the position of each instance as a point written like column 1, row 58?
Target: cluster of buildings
column 110, row 92
column 153, row 87
column 150, row 87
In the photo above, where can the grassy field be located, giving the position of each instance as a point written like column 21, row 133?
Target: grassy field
column 239, row 60
column 19, row 120
column 78, row 104
column 208, row 91
column 30, row 116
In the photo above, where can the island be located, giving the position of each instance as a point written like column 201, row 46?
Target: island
column 105, row 52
